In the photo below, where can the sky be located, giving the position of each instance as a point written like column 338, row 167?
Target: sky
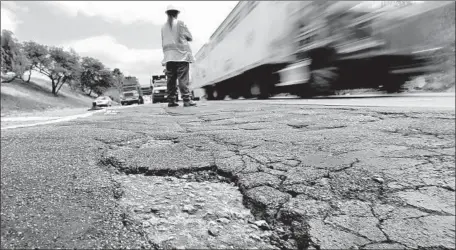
column 121, row 34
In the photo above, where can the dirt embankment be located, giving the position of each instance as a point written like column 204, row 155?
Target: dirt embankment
column 18, row 97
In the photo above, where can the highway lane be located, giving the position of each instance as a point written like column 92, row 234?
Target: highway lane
column 426, row 100
column 246, row 173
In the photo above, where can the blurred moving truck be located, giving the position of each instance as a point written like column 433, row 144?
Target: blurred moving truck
column 131, row 91
column 310, row 48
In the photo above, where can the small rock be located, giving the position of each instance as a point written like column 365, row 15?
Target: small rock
column 154, row 210
column 146, row 216
column 262, row 224
column 189, row 209
column 185, row 176
column 139, row 209
column 255, row 237
column 378, row 179
column 210, row 216
column 265, row 236
column 199, row 206
column 324, row 182
column 146, row 224
column 214, row 231
column 223, row 220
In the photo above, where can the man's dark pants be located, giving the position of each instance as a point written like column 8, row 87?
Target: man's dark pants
column 178, row 71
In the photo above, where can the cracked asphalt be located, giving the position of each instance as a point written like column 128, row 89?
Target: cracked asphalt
column 233, row 175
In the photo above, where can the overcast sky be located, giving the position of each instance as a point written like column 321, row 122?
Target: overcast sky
column 123, row 34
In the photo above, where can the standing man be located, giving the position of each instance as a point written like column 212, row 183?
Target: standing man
column 177, row 57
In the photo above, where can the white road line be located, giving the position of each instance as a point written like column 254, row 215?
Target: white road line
column 111, row 111
column 63, row 119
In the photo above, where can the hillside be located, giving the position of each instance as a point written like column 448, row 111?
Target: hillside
column 21, row 97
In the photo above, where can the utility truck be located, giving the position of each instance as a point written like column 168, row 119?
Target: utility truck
column 311, row 48
column 131, row 91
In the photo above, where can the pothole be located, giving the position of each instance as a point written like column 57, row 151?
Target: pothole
column 178, row 214
column 145, row 143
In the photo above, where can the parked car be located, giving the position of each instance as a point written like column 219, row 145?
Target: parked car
column 6, row 77
column 102, row 101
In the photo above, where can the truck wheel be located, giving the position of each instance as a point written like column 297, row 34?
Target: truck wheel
column 394, row 84
column 214, row 93
column 255, row 89
column 234, row 95
column 219, row 94
column 321, row 82
column 261, row 90
column 323, row 79
column 209, row 93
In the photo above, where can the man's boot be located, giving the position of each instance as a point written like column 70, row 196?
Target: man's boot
column 173, row 103
column 189, row 103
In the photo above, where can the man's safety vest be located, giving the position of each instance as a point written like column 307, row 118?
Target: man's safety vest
column 175, row 44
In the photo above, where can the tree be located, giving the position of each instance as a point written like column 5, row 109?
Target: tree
column 38, row 55
column 13, row 58
column 118, row 76
column 90, row 75
column 96, row 77
column 105, row 81
column 61, row 67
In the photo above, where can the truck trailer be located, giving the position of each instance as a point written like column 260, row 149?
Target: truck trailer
column 310, row 48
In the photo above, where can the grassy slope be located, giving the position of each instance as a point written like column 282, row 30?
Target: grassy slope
column 18, row 96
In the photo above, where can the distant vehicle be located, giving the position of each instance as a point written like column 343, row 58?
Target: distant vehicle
column 160, row 88
column 147, row 90
column 311, row 48
column 8, row 76
column 102, row 101
column 131, row 91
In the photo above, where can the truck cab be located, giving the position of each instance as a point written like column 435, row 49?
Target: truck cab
column 131, row 92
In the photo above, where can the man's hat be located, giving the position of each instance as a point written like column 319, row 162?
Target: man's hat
column 171, row 8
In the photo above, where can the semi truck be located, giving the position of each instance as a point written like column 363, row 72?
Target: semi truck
column 310, row 48
column 131, row 91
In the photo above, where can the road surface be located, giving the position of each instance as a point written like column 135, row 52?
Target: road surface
column 243, row 174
